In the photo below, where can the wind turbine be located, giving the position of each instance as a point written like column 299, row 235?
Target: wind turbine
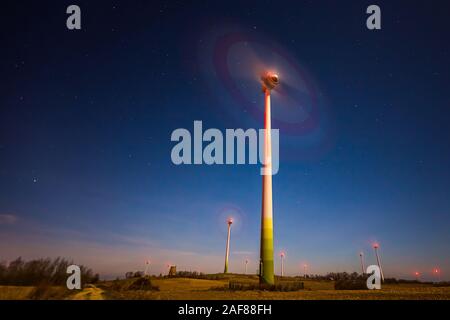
column 304, row 270
column 437, row 272
column 227, row 251
column 417, row 274
column 147, row 266
column 282, row 263
column 269, row 81
column 361, row 257
column 246, row 263
column 299, row 100
column 375, row 247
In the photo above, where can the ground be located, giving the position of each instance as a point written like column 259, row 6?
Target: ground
column 89, row 293
column 199, row 289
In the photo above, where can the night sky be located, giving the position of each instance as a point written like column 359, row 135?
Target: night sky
column 86, row 118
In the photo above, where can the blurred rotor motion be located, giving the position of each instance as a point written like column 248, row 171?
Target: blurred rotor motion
column 235, row 63
column 230, row 213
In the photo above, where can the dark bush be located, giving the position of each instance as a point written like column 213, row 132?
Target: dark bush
column 351, row 284
column 442, row 284
column 199, row 275
column 280, row 286
column 45, row 291
column 41, row 292
column 142, row 284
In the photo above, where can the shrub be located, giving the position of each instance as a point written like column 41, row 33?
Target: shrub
column 280, row 286
column 142, row 284
column 45, row 291
column 442, row 284
column 350, row 284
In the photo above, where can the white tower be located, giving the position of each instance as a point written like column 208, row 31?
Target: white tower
column 227, row 252
column 363, row 268
column 266, row 268
column 375, row 247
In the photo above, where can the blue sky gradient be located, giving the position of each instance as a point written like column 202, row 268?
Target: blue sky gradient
column 86, row 119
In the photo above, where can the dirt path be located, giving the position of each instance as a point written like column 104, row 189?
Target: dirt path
column 90, row 293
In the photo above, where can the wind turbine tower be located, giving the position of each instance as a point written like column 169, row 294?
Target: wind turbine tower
column 266, row 268
column 437, row 272
column 375, row 247
column 227, row 252
column 282, row 263
column 147, row 266
column 363, row 268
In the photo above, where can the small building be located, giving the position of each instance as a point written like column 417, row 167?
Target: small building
column 172, row 271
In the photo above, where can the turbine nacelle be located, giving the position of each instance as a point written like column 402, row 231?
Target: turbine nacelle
column 269, row 81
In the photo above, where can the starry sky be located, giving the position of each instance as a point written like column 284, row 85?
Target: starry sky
column 86, row 118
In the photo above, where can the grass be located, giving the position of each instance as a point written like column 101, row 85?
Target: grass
column 41, row 292
column 202, row 289
column 15, row 292
column 205, row 289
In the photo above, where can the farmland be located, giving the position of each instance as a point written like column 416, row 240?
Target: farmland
column 206, row 289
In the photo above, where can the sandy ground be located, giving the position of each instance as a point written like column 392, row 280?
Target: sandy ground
column 90, row 293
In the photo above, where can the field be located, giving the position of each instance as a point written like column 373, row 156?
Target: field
column 202, row 289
